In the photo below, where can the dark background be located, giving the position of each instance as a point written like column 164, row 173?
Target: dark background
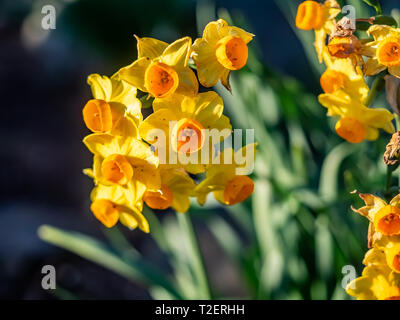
column 43, row 89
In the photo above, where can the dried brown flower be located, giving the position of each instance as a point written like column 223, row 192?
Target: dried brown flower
column 391, row 156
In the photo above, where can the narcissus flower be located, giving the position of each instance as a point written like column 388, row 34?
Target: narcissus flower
column 114, row 107
column 183, row 121
column 114, row 203
column 356, row 121
column 384, row 51
column 385, row 217
column 223, row 180
column 123, row 161
column 222, row 49
column 176, row 189
column 321, row 18
column 162, row 69
column 391, row 247
column 377, row 282
column 341, row 74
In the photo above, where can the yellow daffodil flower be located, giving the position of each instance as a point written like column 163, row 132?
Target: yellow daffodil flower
column 114, row 203
column 123, row 161
column 377, row 282
column 162, row 69
column 176, row 189
column 114, row 107
column 222, row 179
column 183, row 121
column 321, row 18
column 390, row 246
column 357, row 122
column 222, row 49
column 385, row 217
column 341, row 74
column 384, row 51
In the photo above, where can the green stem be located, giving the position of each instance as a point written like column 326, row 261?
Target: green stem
column 388, row 178
column 196, row 258
column 377, row 86
column 397, row 125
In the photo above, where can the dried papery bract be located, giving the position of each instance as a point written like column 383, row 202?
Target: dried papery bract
column 391, row 155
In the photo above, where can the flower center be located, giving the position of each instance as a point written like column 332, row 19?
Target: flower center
column 97, row 115
column 161, row 199
column 117, row 169
column 187, row 136
column 350, row 129
column 105, row 211
column 238, row 189
column 387, row 220
column 388, row 52
column 232, row 52
column 161, row 80
column 309, row 15
column 343, row 47
column 393, row 298
column 332, row 80
column 396, row 262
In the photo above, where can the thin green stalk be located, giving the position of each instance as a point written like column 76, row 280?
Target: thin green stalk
column 389, row 174
column 377, row 86
column 196, row 258
column 397, row 124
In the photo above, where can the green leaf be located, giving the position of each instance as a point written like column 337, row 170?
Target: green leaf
column 362, row 25
column 135, row 269
column 386, row 20
column 147, row 101
column 375, row 4
column 324, row 248
column 328, row 183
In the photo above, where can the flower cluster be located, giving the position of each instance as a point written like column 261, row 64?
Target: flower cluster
column 155, row 160
column 380, row 278
column 346, row 94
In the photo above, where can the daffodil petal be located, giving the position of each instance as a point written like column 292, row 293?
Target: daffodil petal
column 209, row 108
column 209, row 70
column 188, row 84
column 225, row 80
column 134, row 218
column 374, row 257
column 237, row 32
column 150, row 47
column 177, row 53
column 101, row 86
column 155, row 123
column 394, row 71
column 125, row 127
column 373, row 67
column 319, row 43
column 172, row 103
column 379, row 32
column 212, row 29
column 134, row 73
column 102, row 144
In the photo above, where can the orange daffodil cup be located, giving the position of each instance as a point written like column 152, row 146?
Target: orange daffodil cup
column 128, row 168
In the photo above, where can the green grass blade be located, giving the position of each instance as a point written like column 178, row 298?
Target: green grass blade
column 134, row 269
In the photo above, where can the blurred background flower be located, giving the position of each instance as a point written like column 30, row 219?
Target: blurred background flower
column 290, row 240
